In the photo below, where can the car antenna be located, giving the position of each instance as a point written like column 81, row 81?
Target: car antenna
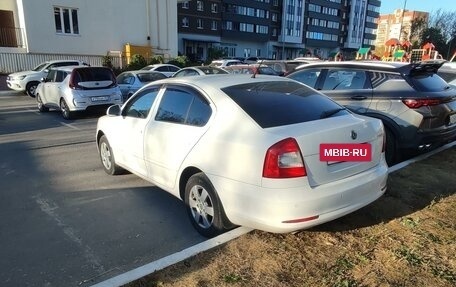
column 257, row 69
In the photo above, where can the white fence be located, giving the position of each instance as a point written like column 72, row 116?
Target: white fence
column 15, row 62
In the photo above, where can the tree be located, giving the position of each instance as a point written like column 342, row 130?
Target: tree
column 416, row 30
column 434, row 35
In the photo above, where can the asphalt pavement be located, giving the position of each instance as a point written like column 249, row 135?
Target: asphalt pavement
column 63, row 220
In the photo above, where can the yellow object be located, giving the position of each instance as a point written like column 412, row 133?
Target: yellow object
column 130, row 50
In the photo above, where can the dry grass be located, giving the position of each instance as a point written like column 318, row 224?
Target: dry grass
column 406, row 238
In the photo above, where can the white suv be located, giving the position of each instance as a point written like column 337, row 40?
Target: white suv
column 75, row 88
column 27, row 81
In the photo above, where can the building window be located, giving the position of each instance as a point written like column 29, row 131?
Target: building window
column 214, row 7
column 185, row 5
column 199, row 6
column 274, row 17
column 228, row 25
column 199, row 23
column 275, row 2
column 66, row 21
column 214, row 25
column 274, row 32
column 185, row 22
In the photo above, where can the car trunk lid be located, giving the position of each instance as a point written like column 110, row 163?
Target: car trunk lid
column 336, row 130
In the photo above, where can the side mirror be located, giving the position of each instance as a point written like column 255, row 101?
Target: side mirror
column 43, row 80
column 46, row 71
column 113, row 110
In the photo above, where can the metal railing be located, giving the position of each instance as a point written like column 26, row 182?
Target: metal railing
column 15, row 62
column 11, row 37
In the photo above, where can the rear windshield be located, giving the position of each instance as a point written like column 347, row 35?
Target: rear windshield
column 429, row 82
column 94, row 74
column 279, row 103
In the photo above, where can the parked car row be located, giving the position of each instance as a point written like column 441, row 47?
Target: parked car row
column 252, row 150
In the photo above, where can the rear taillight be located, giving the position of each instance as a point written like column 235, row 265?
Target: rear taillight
column 284, row 160
column 73, row 83
column 418, row 103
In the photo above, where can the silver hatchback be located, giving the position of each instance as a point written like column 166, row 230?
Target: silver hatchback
column 73, row 89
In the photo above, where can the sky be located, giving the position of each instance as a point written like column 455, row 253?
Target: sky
column 388, row 6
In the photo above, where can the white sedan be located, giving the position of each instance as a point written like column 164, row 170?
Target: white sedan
column 243, row 150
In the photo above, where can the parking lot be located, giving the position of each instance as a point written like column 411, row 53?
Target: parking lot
column 63, row 221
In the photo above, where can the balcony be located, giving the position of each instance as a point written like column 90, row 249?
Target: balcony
column 11, row 37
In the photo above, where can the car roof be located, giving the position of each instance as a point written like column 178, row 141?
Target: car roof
column 71, row 68
column 160, row 65
column 141, row 72
column 63, row 61
column 367, row 65
column 220, row 81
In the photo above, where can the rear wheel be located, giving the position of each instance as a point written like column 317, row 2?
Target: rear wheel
column 30, row 89
column 66, row 113
column 204, row 207
column 41, row 107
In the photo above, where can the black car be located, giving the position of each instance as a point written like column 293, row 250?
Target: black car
column 417, row 107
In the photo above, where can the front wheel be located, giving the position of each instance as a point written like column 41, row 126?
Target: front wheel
column 30, row 89
column 41, row 107
column 107, row 157
column 204, row 207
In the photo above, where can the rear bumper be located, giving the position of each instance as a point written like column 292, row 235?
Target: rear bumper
column 285, row 210
column 435, row 137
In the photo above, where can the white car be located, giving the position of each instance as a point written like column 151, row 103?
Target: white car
column 244, row 151
column 225, row 63
column 131, row 81
column 166, row 69
column 27, row 81
column 73, row 89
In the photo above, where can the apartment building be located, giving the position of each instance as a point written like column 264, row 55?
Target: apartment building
column 277, row 29
column 398, row 25
column 86, row 27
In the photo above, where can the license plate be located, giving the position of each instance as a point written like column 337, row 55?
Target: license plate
column 98, row 99
column 452, row 119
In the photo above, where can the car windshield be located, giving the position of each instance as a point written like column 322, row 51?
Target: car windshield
column 429, row 82
column 278, row 103
column 40, row 67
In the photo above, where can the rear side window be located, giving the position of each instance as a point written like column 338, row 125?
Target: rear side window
column 273, row 104
column 182, row 106
column 344, row 79
column 308, row 77
column 428, row 82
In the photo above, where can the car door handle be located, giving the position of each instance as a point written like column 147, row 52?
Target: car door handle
column 358, row 98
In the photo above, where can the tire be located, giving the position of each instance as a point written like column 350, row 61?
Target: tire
column 391, row 149
column 66, row 113
column 41, row 107
column 204, row 207
column 107, row 157
column 30, row 89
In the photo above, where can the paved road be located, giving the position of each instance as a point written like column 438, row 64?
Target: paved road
column 63, row 221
